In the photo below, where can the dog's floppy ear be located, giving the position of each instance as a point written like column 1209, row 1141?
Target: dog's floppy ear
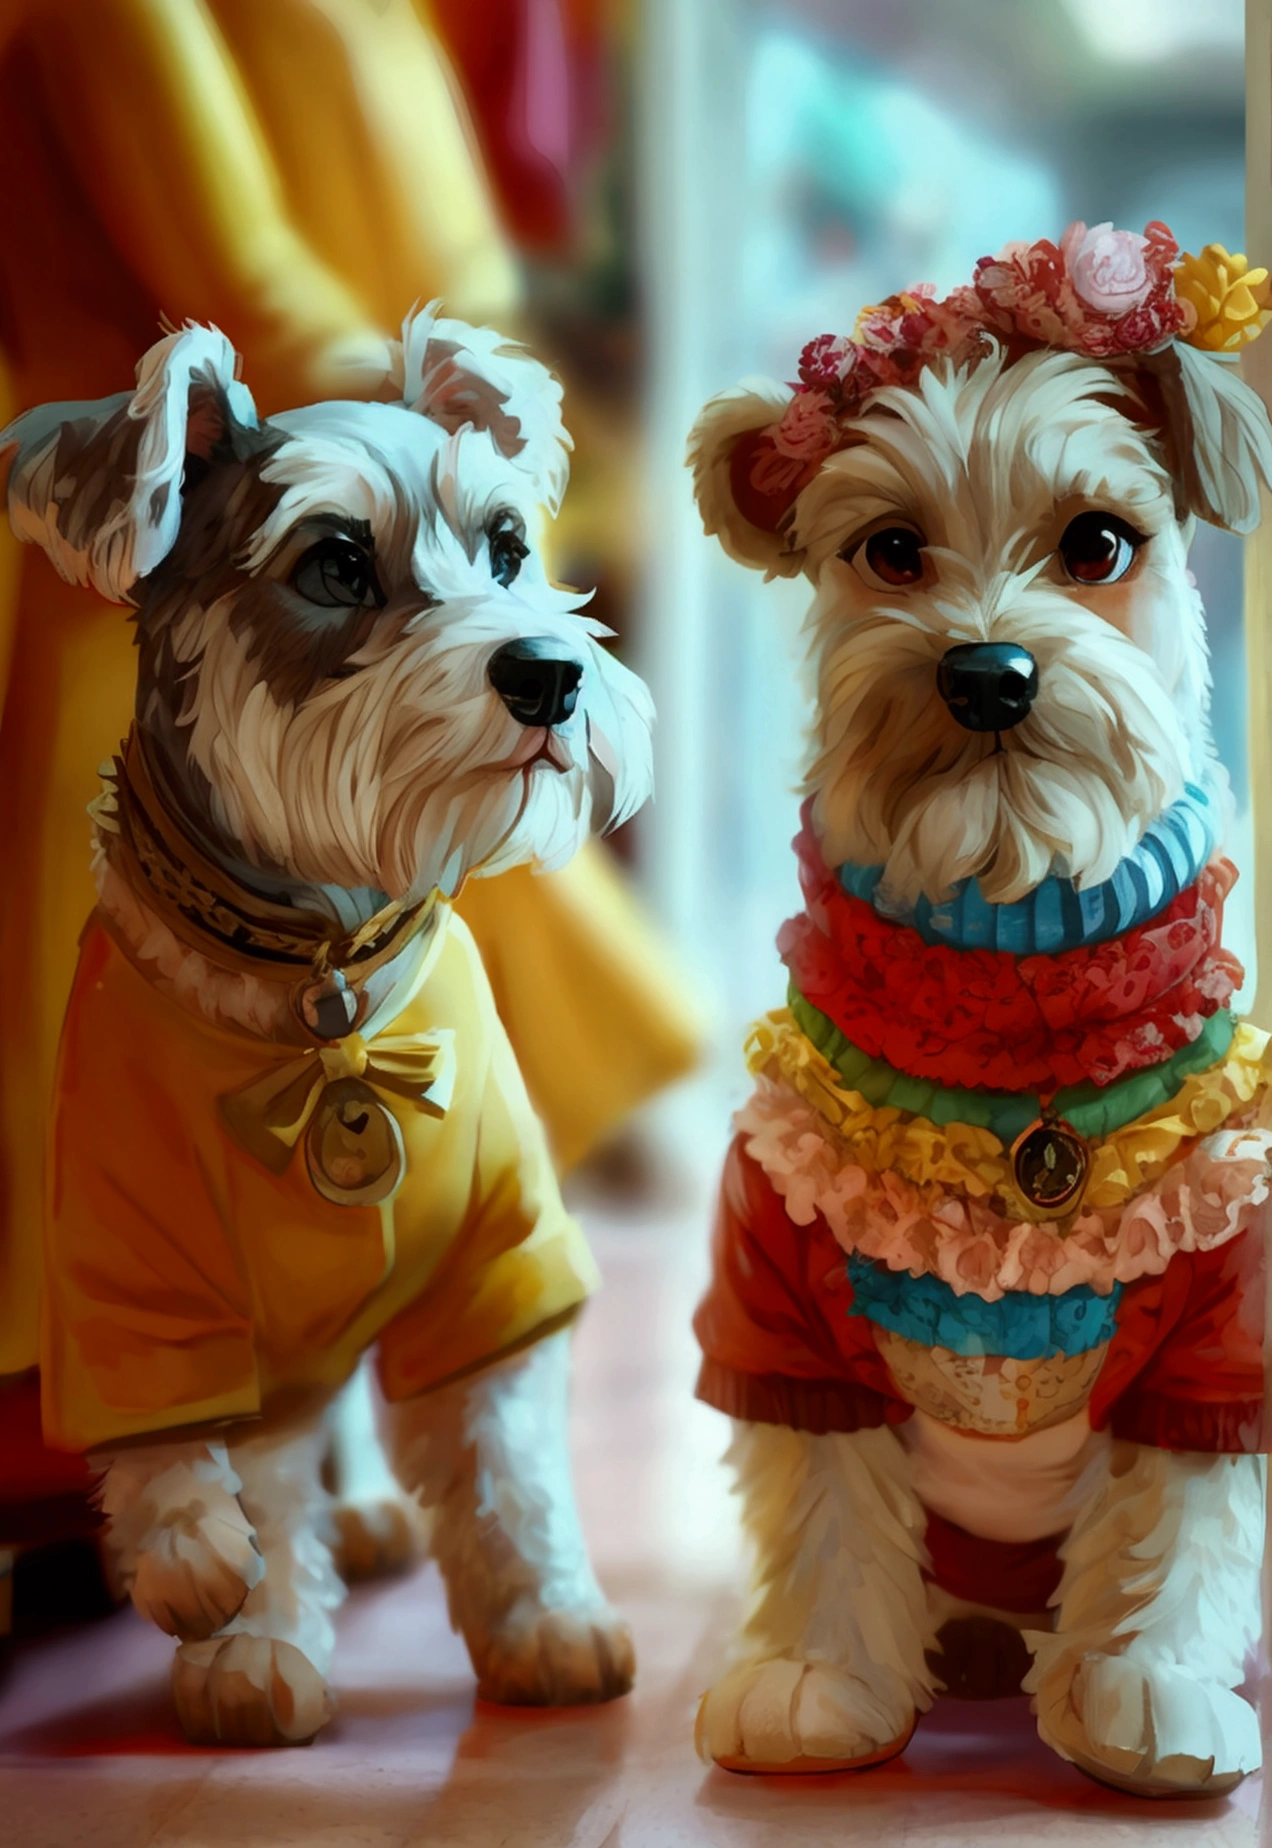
column 745, row 490
column 98, row 484
column 464, row 377
column 1216, row 430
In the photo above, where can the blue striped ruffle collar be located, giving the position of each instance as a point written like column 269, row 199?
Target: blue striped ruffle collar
column 1056, row 916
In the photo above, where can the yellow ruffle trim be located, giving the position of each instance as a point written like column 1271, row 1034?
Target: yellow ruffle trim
column 974, row 1161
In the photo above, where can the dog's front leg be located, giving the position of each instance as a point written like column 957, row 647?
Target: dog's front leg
column 181, row 1544
column 262, row 1680
column 489, row 1458
column 830, row 1665
column 1158, row 1608
column 225, row 1548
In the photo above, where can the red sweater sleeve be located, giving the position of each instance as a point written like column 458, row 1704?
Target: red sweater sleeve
column 778, row 1343
column 1185, row 1368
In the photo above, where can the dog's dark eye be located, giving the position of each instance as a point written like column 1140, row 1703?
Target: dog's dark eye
column 337, row 574
column 1098, row 548
column 891, row 559
column 507, row 549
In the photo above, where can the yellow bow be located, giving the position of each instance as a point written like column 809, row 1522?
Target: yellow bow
column 269, row 1116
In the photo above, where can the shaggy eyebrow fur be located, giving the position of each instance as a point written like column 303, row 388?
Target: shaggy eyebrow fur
column 296, row 645
column 980, row 460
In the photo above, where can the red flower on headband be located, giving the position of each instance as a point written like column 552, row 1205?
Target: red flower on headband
column 809, row 428
column 826, row 362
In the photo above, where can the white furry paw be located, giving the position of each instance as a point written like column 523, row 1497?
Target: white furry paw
column 1153, row 1731
column 539, row 1658
column 374, row 1539
column 248, row 1690
column 196, row 1572
column 783, row 1715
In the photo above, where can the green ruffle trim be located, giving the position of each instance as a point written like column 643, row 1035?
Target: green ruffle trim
column 1093, row 1110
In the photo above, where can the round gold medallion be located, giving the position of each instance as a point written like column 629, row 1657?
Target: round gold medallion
column 353, row 1146
column 1050, row 1162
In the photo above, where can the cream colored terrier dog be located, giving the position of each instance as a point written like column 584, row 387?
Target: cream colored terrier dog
column 987, row 1290
column 289, row 1126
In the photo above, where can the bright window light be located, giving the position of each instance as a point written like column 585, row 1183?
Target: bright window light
column 1151, row 31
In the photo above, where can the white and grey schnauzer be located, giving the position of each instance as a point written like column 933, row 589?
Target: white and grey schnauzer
column 357, row 687
column 987, row 1292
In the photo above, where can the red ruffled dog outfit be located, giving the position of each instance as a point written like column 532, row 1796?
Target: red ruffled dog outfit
column 876, row 1248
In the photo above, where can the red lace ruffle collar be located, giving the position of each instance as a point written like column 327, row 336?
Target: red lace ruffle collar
column 984, row 1018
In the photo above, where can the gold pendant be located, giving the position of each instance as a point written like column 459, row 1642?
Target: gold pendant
column 1050, row 1162
column 353, row 1146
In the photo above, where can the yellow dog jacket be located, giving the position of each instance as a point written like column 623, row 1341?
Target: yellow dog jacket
column 188, row 1279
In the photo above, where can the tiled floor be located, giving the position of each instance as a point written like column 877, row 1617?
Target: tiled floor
column 90, row 1756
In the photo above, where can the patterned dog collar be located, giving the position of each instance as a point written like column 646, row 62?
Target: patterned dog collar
column 239, row 929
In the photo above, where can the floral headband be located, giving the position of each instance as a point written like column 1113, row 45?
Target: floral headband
column 1110, row 295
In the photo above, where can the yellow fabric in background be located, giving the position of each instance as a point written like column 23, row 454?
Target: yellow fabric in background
column 582, row 983
column 300, row 173
column 187, row 1282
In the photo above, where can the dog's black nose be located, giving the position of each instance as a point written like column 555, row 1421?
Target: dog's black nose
column 534, row 683
column 988, row 686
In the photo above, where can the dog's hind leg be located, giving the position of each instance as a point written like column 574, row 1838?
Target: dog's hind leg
column 262, row 1679
column 830, row 1667
column 378, row 1529
column 489, row 1458
column 1158, row 1609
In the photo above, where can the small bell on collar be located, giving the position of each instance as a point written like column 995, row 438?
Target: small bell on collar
column 328, row 1006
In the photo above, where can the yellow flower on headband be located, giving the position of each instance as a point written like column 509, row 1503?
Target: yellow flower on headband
column 1232, row 303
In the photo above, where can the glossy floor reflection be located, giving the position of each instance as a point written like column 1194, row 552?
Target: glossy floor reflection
column 90, row 1755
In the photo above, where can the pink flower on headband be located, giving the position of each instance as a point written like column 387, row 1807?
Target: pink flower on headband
column 1107, row 268
column 1101, row 292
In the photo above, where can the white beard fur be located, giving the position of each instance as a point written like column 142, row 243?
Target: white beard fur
column 1102, row 753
